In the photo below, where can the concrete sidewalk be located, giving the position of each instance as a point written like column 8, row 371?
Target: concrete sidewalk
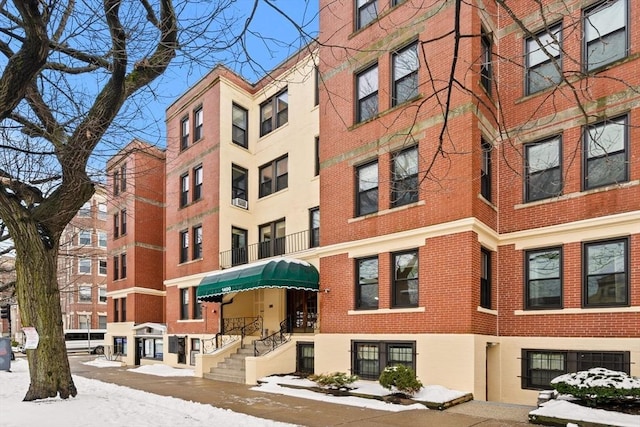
column 304, row 412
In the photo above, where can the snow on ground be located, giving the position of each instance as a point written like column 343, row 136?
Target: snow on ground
column 570, row 411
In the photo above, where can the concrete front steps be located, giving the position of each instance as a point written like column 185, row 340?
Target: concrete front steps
column 232, row 369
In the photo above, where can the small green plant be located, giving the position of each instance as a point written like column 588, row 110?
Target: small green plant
column 401, row 379
column 335, row 380
column 598, row 386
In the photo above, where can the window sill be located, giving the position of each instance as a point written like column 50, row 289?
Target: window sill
column 577, row 194
column 387, row 311
column 190, row 320
column 387, row 211
column 487, row 311
column 600, row 310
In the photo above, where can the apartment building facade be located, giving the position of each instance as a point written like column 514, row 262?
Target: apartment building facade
column 486, row 229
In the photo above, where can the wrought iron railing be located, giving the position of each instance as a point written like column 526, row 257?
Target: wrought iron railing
column 291, row 243
column 233, row 329
column 273, row 341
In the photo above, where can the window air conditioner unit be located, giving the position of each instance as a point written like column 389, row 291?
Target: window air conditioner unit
column 241, row 203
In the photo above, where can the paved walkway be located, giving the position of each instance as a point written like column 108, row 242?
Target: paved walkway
column 305, row 412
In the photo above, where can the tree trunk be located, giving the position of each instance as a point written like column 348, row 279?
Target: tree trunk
column 39, row 300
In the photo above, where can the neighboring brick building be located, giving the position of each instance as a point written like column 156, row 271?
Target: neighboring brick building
column 82, row 266
column 482, row 228
column 484, row 254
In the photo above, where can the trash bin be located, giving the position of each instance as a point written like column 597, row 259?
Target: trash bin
column 5, row 354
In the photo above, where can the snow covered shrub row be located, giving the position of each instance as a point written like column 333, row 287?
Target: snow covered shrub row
column 598, row 385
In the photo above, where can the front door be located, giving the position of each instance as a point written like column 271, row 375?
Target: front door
column 302, row 310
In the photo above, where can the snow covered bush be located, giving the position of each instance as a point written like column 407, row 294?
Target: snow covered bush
column 400, row 378
column 335, row 381
column 598, row 386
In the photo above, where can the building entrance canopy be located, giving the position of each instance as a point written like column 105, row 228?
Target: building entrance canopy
column 275, row 273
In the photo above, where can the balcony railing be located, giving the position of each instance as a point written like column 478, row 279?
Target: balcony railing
column 289, row 244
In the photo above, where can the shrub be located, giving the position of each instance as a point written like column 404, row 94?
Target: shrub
column 598, row 386
column 336, row 380
column 400, row 378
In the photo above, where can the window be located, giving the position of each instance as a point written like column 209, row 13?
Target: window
column 396, row 2
column 367, row 283
column 367, row 91
column 405, row 279
column 314, row 227
column 316, row 166
column 84, row 294
column 102, row 239
column 198, row 118
column 543, row 280
column 404, row 173
column 485, row 278
column 316, row 87
column 605, row 28
column 405, row 74
column 123, row 177
column 367, row 197
column 370, row 358
column 84, row 322
column 102, row 295
column 116, row 267
column 85, row 210
column 123, row 309
column 84, row 266
column 197, row 242
column 606, row 281
column 544, row 174
column 197, row 183
column 485, row 170
column 269, row 184
column 305, row 358
column 120, row 345
column 102, row 267
column 238, row 246
column 274, row 113
column 367, row 11
column 486, row 73
column 197, row 306
column 116, row 183
column 123, row 222
column 102, row 211
column 543, row 59
column 184, row 303
column 240, row 125
column 239, row 182
column 539, row 367
column 606, row 155
column 184, row 246
column 116, row 225
column 84, row 238
column 153, row 348
column 116, row 310
column 184, row 133
column 123, row 266
column 272, row 239
column 184, row 190
column 195, row 349
column 102, row 322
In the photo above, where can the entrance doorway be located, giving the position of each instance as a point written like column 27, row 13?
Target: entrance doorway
column 302, row 310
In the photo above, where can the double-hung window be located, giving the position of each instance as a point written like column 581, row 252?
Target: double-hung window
column 272, row 239
column 184, row 190
column 485, row 278
column 543, row 169
column 405, row 279
column 486, row 75
column 367, row 92
column 238, row 182
column 84, row 266
column 369, row 358
column 102, row 239
column 123, row 265
column 240, row 126
column 605, row 33
column 367, row 196
column 197, row 183
column 197, row 242
column 543, row 278
column 485, row 170
column 274, row 113
column 123, row 222
column 314, row 227
column 238, row 246
column 543, row 59
column 367, row 283
column 404, row 174
column 184, row 133
column 274, row 176
column 606, row 278
column 197, row 306
column 606, row 156
column 366, row 11
column 198, row 121
column 116, row 225
column 84, row 294
column 184, row 246
column 84, row 238
column 405, row 74
column 102, row 267
column 184, row 303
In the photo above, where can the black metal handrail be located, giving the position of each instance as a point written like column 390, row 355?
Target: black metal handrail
column 291, row 243
column 273, row 341
column 233, row 329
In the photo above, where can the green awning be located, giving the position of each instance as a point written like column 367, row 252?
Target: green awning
column 276, row 273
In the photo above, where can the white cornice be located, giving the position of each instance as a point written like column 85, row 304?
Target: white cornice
column 135, row 290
